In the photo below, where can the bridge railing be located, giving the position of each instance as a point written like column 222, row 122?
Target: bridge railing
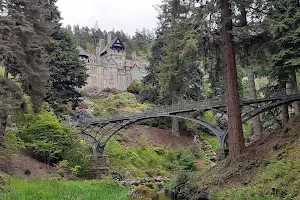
column 186, row 105
column 177, row 107
column 181, row 106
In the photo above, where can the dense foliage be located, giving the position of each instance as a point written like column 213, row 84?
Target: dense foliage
column 120, row 103
column 67, row 72
column 128, row 162
column 52, row 142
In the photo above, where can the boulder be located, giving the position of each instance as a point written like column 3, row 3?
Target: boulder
column 143, row 193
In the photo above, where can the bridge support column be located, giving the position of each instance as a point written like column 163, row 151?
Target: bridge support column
column 222, row 154
column 99, row 167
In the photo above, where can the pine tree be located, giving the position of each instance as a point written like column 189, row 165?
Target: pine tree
column 236, row 137
column 68, row 72
column 178, row 73
column 24, row 30
column 251, row 39
column 285, row 21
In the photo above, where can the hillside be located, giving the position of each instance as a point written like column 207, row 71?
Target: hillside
column 156, row 137
column 269, row 169
column 26, row 166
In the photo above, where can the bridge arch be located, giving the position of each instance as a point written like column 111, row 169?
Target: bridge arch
column 221, row 134
column 216, row 131
column 248, row 116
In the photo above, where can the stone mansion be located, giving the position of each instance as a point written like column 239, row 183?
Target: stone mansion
column 109, row 68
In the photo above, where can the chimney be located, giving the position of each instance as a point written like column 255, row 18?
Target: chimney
column 101, row 43
column 98, row 50
column 109, row 35
column 133, row 55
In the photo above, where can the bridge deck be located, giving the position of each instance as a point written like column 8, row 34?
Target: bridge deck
column 182, row 107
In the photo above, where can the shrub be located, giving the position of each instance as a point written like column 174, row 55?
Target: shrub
column 113, row 104
column 182, row 188
column 45, row 136
column 181, row 159
column 135, row 87
column 149, row 94
column 111, row 90
column 4, row 183
column 161, row 122
column 66, row 171
column 90, row 90
column 144, row 160
column 12, row 145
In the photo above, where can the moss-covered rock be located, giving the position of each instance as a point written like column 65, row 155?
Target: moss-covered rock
column 143, row 193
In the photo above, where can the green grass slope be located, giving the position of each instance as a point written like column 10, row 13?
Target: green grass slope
column 63, row 190
column 278, row 180
column 269, row 170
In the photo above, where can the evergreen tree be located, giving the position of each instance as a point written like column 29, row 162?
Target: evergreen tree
column 178, row 70
column 24, row 31
column 285, row 50
column 251, row 40
column 68, row 72
column 235, row 137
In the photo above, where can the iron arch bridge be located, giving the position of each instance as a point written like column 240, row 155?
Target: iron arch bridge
column 98, row 131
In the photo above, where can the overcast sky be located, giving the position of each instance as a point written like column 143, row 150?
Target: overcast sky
column 127, row 15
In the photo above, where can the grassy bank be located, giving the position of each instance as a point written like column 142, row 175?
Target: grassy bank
column 269, row 170
column 64, row 190
column 279, row 180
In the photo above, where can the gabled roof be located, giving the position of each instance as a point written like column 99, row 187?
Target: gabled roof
column 93, row 56
column 131, row 63
column 82, row 52
column 116, row 40
column 104, row 60
column 110, row 60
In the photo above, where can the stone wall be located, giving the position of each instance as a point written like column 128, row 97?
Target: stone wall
column 99, row 167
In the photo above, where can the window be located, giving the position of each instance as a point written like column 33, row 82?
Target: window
column 94, row 81
column 111, row 77
column 94, row 70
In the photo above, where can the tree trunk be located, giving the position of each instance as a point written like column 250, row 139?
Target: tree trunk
column 295, row 90
column 285, row 107
column 257, row 128
column 3, row 123
column 235, row 138
column 285, row 114
column 3, row 115
column 175, row 127
column 175, row 123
